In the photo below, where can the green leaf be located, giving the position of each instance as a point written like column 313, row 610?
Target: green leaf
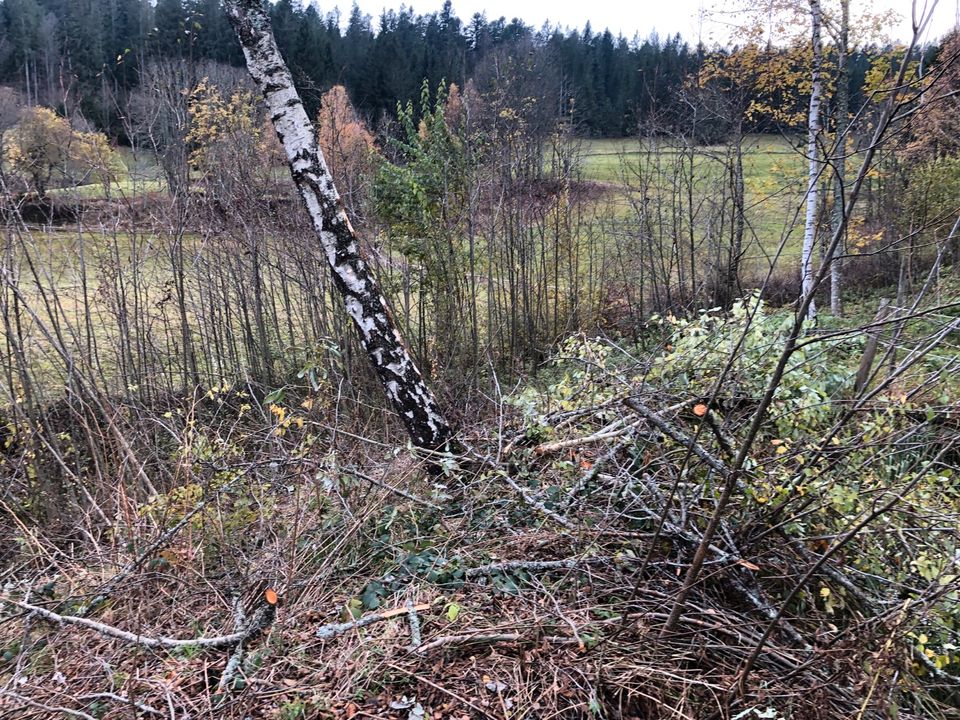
column 274, row 397
column 355, row 607
column 453, row 611
column 371, row 596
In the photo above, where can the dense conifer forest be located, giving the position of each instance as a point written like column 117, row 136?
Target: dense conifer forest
column 88, row 55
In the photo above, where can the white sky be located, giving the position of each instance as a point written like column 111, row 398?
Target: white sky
column 639, row 16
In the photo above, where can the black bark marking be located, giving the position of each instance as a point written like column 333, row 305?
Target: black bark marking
column 381, row 340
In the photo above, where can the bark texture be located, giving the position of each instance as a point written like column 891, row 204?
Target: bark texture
column 840, row 162
column 404, row 385
column 813, row 130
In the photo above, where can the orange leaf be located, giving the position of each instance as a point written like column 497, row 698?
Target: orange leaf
column 748, row 565
column 699, row 409
column 271, row 596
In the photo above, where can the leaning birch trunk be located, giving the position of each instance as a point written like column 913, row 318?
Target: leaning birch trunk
column 364, row 302
column 813, row 130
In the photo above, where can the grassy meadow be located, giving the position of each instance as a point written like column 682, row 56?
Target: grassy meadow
column 774, row 182
column 100, row 276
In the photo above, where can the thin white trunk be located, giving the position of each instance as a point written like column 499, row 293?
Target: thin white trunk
column 840, row 162
column 401, row 379
column 813, row 130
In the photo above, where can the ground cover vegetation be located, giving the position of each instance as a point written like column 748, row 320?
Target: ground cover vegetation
column 667, row 473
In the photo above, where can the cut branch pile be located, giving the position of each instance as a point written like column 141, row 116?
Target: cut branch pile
column 579, row 585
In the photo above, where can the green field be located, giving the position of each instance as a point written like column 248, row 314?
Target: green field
column 774, row 181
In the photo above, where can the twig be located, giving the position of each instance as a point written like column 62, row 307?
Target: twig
column 605, row 434
column 442, row 689
column 121, row 699
column 49, row 708
column 533, row 502
column 333, row 629
column 838, row 544
column 416, row 640
column 107, row 589
column 492, row 639
column 677, row 435
column 752, row 592
column 489, row 638
column 591, row 474
column 389, row 488
column 725, row 441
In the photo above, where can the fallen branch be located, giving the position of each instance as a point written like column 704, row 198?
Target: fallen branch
column 261, row 619
column 936, row 672
column 48, row 708
column 529, row 566
column 491, row 639
column 416, row 639
column 236, row 657
column 677, row 435
column 333, row 629
column 608, row 433
column 532, row 501
column 130, row 702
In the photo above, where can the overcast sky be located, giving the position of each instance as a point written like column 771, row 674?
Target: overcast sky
column 636, row 16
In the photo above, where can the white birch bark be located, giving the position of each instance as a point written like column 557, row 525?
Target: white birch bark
column 813, row 180
column 840, row 162
column 404, row 385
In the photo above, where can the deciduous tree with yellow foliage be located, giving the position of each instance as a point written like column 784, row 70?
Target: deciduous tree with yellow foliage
column 43, row 151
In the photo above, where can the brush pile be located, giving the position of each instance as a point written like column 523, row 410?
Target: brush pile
column 543, row 573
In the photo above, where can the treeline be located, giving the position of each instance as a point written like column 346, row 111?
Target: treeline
column 84, row 57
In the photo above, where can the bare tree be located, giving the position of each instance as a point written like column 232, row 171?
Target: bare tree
column 364, row 302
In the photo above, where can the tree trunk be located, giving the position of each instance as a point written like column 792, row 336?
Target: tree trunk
column 840, row 163
column 362, row 298
column 813, row 129
column 739, row 213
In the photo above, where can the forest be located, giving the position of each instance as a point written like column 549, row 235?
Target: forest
column 418, row 367
column 87, row 56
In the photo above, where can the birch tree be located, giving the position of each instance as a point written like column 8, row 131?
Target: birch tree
column 813, row 177
column 363, row 300
column 842, row 102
